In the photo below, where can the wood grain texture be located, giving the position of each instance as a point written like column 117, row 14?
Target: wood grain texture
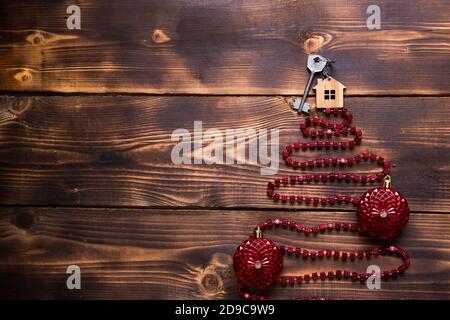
column 185, row 254
column 223, row 47
column 116, row 150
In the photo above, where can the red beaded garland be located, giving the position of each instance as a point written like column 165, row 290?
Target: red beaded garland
column 382, row 212
column 258, row 261
column 370, row 202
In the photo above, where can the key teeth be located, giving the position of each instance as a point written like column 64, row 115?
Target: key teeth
column 306, row 108
column 296, row 104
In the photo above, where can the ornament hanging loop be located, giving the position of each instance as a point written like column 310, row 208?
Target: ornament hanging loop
column 387, row 181
column 258, row 234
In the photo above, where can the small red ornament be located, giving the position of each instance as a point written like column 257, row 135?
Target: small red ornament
column 257, row 262
column 383, row 212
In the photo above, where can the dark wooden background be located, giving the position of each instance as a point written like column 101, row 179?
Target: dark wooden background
column 86, row 117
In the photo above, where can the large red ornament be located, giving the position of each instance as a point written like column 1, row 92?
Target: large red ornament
column 383, row 212
column 257, row 262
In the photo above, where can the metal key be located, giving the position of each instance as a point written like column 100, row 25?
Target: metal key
column 315, row 64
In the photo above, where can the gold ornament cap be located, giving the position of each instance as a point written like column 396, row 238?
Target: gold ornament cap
column 387, row 180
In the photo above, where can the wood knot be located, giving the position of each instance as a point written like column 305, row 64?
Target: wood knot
column 23, row 76
column 18, row 106
column 312, row 43
column 159, row 36
column 36, row 38
column 211, row 282
column 24, row 220
column 211, row 278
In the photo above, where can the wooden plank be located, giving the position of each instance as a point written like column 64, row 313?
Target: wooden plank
column 116, row 150
column 185, row 254
column 218, row 47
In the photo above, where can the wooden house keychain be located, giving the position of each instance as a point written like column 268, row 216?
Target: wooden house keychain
column 382, row 211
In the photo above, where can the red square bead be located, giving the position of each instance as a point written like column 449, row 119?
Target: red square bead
column 336, row 254
column 316, row 120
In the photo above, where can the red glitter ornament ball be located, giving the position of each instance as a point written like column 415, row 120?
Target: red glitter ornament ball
column 257, row 262
column 383, row 212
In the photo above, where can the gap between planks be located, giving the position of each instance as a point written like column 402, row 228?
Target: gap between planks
column 169, row 208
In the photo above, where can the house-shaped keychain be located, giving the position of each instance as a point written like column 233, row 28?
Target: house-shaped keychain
column 329, row 93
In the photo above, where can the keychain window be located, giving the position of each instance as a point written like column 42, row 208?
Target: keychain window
column 330, row 94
